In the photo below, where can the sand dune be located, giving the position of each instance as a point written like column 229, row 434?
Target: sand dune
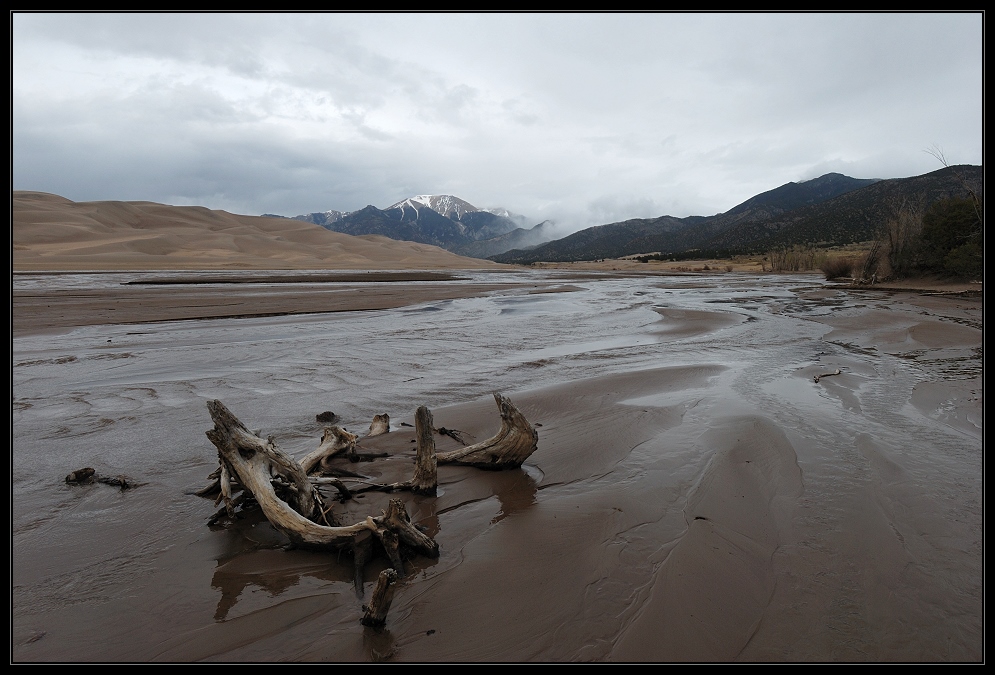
column 53, row 233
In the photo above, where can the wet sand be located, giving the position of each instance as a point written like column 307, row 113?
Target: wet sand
column 178, row 297
column 695, row 496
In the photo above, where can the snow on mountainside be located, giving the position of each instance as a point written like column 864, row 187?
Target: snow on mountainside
column 323, row 218
column 447, row 205
column 440, row 220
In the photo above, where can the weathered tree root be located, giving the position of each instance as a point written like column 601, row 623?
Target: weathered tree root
column 454, row 434
column 819, row 377
column 289, row 498
column 512, row 445
column 397, row 520
column 259, row 466
column 334, row 441
column 380, row 425
column 425, row 480
column 337, row 441
column 383, row 595
column 257, row 463
column 240, row 501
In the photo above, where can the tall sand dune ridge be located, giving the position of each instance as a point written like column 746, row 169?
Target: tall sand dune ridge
column 54, row 233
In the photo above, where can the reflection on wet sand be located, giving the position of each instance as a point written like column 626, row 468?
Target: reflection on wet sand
column 273, row 571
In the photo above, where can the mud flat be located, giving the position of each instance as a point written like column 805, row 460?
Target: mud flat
column 696, row 494
column 138, row 298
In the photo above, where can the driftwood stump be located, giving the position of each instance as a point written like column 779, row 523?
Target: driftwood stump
column 512, row 445
column 383, row 595
column 254, row 471
column 425, row 480
column 379, row 425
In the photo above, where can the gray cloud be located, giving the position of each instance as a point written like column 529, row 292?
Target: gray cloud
column 582, row 117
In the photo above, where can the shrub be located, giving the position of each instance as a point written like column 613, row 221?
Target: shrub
column 835, row 268
column 943, row 239
column 952, row 238
column 795, row 259
column 965, row 261
column 902, row 237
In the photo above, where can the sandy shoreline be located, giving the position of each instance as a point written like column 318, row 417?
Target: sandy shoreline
column 38, row 311
column 695, row 495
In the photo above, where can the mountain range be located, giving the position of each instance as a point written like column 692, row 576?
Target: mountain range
column 49, row 232
column 831, row 210
column 440, row 220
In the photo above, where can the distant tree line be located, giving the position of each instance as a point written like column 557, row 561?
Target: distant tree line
column 693, row 254
column 945, row 239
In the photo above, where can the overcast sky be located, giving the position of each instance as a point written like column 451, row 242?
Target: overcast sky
column 585, row 118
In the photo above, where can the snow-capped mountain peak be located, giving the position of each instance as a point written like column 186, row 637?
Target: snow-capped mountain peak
column 447, row 205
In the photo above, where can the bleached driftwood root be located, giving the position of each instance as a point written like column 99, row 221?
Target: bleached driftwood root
column 334, row 441
column 425, row 479
column 380, row 425
column 512, row 445
column 253, row 471
column 397, row 520
column 507, row 449
column 260, row 467
column 819, row 377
